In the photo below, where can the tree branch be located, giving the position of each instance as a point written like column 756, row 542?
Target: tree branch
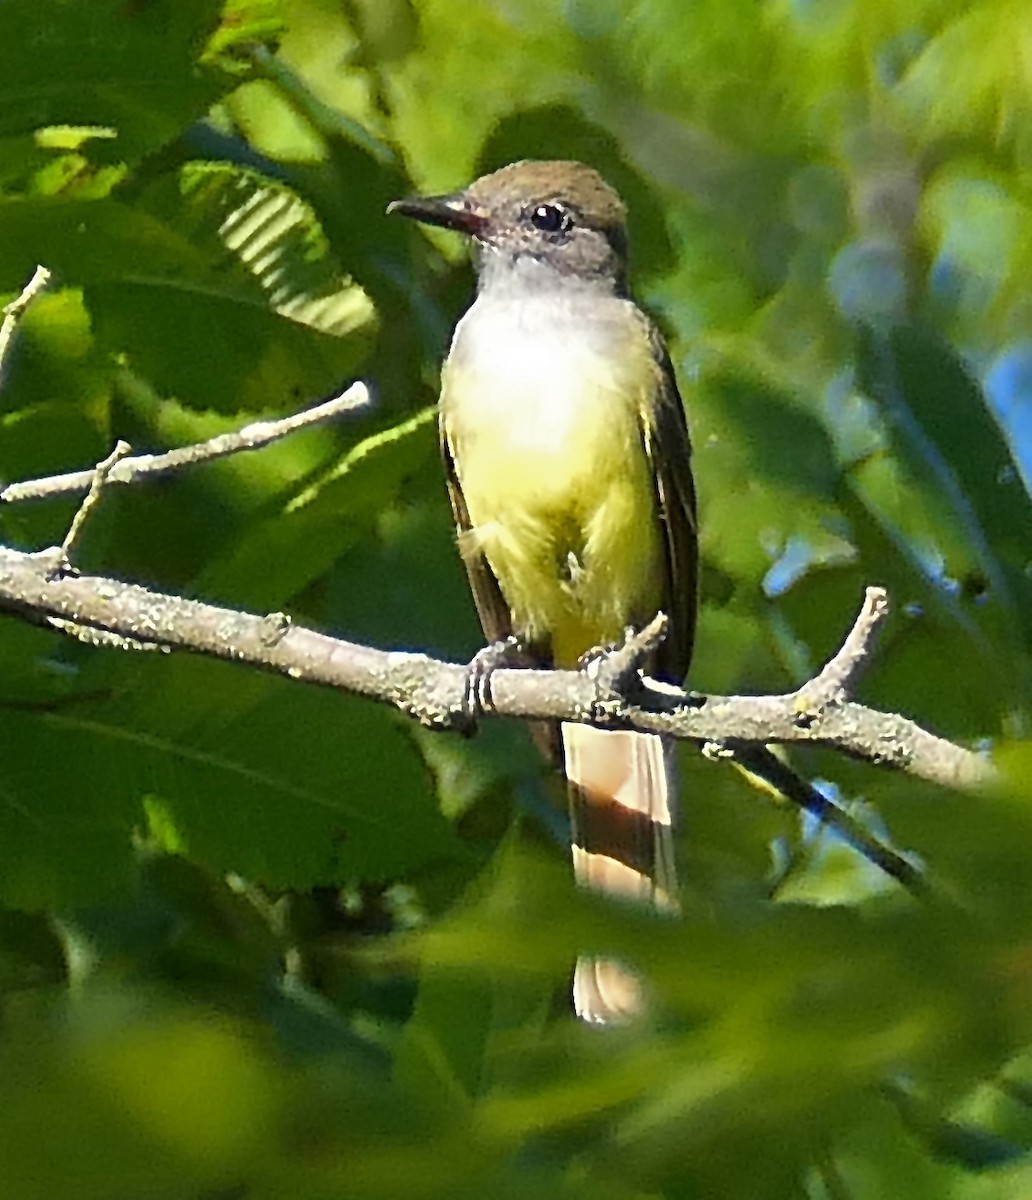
column 433, row 692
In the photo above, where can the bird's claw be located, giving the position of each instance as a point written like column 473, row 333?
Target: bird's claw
column 476, row 699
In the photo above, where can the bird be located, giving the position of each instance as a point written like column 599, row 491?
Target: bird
column 567, row 457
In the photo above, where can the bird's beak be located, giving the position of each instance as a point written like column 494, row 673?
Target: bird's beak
column 456, row 211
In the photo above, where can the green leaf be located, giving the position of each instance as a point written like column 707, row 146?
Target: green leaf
column 101, row 1124
column 285, row 553
column 941, row 416
column 224, row 293
column 103, row 64
column 240, row 793
column 248, row 225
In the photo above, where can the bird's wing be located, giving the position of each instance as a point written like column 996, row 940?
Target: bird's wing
column 665, row 436
column 495, row 618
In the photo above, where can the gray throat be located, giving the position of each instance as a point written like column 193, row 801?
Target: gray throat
column 505, row 275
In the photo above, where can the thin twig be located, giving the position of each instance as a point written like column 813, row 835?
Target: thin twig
column 101, row 473
column 15, row 310
column 759, row 760
column 251, row 437
column 834, row 683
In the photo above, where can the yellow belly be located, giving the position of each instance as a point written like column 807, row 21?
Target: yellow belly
column 545, row 431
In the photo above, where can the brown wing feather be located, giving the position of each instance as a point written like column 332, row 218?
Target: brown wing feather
column 668, row 446
column 495, row 617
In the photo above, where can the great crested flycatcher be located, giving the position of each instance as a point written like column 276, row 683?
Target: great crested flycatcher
column 567, row 458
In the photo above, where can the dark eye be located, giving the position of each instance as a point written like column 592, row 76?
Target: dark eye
column 549, row 218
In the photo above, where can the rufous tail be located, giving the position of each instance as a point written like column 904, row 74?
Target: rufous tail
column 623, row 789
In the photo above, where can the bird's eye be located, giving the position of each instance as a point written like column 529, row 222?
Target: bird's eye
column 550, row 218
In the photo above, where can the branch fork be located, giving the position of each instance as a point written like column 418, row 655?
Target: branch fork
column 835, row 682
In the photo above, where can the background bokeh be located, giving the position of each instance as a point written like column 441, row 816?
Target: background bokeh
column 259, row 940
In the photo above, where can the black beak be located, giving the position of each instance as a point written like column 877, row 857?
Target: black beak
column 456, row 211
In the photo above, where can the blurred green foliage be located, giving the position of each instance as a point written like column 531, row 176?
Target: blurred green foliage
column 258, row 941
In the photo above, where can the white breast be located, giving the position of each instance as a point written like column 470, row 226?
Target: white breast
column 538, row 381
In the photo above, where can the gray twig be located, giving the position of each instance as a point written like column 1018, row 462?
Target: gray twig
column 836, row 680
column 101, row 472
column 251, row 437
column 15, row 310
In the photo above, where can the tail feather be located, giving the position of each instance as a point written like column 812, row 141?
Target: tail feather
column 622, row 789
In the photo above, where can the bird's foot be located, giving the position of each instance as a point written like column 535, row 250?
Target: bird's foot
column 597, row 663
column 476, row 699
column 615, row 668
